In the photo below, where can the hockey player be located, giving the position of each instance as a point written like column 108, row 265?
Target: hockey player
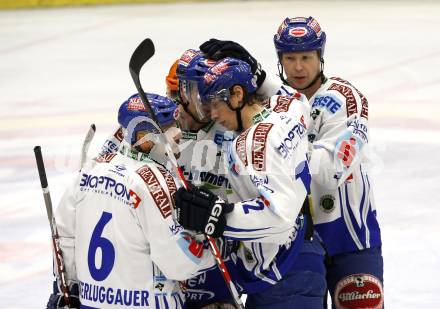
column 203, row 139
column 121, row 243
column 203, row 148
column 201, row 157
column 208, row 287
column 269, row 172
column 344, row 213
column 201, row 144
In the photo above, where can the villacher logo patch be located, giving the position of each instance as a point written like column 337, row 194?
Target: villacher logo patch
column 359, row 291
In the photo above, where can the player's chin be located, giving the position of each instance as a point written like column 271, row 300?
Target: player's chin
column 298, row 82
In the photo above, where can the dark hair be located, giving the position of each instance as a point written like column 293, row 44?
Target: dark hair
column 250, row 99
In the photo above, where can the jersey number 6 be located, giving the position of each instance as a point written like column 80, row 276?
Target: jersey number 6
column 107, row 250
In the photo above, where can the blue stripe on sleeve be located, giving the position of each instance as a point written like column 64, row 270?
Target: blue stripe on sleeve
column 234, row 229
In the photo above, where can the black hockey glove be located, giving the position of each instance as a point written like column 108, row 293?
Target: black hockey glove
column 200, row 210
column 218, row 49
column 56, row 299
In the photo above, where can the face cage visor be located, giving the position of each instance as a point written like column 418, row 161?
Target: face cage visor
column 189, row 93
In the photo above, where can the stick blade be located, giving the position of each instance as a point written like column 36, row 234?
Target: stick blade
column 142, row 53
column 86, row 144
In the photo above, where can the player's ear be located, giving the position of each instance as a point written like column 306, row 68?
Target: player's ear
column 237, row 95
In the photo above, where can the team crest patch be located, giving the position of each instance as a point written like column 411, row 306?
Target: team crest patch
column 359, row 291
column 327, row 203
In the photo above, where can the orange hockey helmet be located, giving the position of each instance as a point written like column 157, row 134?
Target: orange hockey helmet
column 171, row 79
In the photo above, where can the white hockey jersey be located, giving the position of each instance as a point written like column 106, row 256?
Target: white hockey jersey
column 268, row 170
column 344, row 210
column 203, row 154
column 203, row 158
column 119, row 236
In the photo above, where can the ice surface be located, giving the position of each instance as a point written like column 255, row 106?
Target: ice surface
column 63, row 69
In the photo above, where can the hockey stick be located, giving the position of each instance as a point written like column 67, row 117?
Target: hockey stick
column 86, row 145
column 53, row 226
column 140, row 56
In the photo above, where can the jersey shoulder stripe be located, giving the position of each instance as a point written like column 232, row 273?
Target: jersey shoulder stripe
column 156, row 191
column 240, row 147
column 171, row 185
column 259, row 142
column 346, row 88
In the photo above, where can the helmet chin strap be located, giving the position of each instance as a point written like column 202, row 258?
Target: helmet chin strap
column 237, row 114
column 281, row 72
column 239, row 121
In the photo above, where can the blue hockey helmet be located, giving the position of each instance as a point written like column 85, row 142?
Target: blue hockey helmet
column 191, row 68
column 192, row 65
column 222, row 76
column 133, row 117
column 300, row 34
